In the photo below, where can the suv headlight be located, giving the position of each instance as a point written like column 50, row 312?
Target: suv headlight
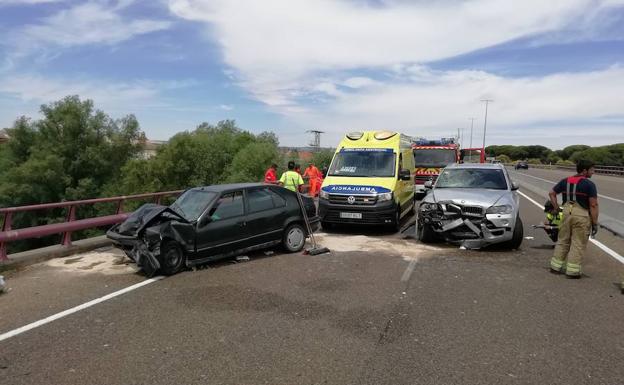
column 324, row 195
column 384, row 197
column 428, row 206
column 504, row 209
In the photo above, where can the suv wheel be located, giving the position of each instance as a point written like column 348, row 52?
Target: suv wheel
column 425, row 234
column 518, row 235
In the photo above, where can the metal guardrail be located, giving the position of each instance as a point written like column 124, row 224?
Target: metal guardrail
column 604, row 170
column 71, row 224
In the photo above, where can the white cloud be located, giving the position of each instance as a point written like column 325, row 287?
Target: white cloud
column 275, row 46
column 27, row 2
column 23, row 94
column 94, row 22
column 304, row 59
column 552, row 110
column 226, row 107
column 88, row 23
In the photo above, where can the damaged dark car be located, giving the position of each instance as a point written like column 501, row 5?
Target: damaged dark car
column 209, row 223
column 474, row 205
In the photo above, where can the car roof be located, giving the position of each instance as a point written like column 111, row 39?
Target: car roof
column 476, row 165
column 228, row 187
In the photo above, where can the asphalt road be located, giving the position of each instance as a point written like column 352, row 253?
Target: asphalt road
column 378, row 310
column 610, row 186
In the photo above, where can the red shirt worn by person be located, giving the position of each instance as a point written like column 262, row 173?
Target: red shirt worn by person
column 270, row 176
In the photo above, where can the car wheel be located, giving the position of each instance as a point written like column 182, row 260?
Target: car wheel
column 172, row 258
column 518, row 235
column 294, row 238
column 425, row 234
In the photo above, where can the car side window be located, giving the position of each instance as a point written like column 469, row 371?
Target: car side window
column 278, row 200
column 259, row 200
column 229, row 205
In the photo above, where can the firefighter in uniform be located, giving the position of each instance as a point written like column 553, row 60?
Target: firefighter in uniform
column 580, row 219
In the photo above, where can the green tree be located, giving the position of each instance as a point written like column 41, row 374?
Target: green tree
column 69, row 154
column 208, row 155
column 567, row 152
column 323, row 158
column 72, row 153
column 251, row 162
column 504, row 158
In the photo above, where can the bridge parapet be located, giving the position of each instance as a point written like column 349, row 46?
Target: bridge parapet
column 70, row 224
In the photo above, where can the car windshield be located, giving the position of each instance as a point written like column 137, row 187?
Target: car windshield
column 435, row 157
column 192, row 203
column 363, row 163
column 472, row 178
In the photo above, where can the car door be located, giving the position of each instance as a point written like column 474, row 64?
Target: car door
column 223, row 227
column 266, row 213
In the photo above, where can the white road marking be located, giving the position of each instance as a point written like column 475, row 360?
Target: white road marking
column 76, row 309
column 555, row 182
column 600, row 245
column 408, row 271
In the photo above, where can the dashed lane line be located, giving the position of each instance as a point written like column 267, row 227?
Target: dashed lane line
column 408, row 271
column 599, row 244
column 76, row 309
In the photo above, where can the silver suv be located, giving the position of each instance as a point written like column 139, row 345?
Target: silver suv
column 472, row 204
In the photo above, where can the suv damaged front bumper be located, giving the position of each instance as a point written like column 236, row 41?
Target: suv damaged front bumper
column 464, row 225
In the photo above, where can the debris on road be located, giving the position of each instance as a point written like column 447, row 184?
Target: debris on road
column 242, row 258
column 529, row 238
column 269, row 252
column 2, row 284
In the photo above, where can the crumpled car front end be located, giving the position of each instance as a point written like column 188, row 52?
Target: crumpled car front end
column 141, row 234
column 472, row 224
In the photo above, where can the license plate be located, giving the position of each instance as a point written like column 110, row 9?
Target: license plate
column 351, row 215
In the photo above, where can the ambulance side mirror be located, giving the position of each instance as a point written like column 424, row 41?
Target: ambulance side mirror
column 429, row 184
column 405, row 174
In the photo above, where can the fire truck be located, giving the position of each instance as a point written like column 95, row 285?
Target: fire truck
column 430, row 156
column 472, row 155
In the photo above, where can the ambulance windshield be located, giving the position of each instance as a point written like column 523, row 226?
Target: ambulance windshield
column 364, row 162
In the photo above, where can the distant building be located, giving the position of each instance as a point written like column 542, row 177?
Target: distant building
column 4, row 137
column 151, row 147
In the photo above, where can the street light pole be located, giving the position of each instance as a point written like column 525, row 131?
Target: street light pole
column 487, row 102
column 471, row 125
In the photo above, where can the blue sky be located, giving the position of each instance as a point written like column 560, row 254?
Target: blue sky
column 555, row 71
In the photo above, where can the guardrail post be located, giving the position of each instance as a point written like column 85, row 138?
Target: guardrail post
column 158, row 197
column 71, row 216
column 120, row 206
column 6, row 226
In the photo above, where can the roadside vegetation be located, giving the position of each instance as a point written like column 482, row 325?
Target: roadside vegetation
column 611, row 155
column 78, row 152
